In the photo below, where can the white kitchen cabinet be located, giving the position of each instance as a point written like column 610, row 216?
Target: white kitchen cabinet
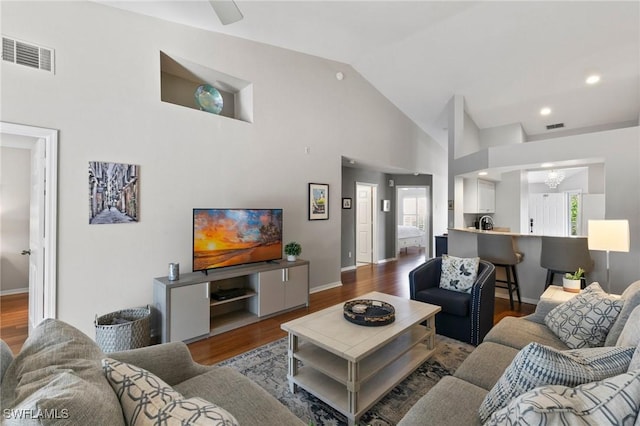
column 479, row 196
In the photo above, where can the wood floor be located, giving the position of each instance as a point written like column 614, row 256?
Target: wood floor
column 391, row 277
column 14, row 320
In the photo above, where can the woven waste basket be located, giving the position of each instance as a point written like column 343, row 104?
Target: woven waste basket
column 123, row 330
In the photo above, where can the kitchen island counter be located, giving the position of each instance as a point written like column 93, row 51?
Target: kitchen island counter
column 462, row 242
column 496, row 230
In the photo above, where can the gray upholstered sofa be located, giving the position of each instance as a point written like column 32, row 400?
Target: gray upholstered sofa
column 455, row 400
column 57, row 378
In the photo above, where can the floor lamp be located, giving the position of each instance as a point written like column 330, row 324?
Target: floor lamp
column 608, row 235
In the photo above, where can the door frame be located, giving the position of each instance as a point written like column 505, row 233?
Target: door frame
column 428, row 217
column 373, row 187
column 45, row 292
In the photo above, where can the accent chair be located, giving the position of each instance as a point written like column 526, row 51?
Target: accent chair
column 464, row 316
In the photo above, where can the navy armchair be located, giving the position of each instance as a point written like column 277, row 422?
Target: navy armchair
column 464, row 316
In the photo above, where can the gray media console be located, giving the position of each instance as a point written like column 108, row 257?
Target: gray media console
column 198, row 306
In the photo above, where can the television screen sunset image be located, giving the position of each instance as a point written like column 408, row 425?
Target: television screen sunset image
column 226, row 237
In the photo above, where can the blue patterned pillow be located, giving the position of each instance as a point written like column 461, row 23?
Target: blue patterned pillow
column 147, row 400
column 458, row 273
column 537, row 365
column 613, row 401
column 585, row 320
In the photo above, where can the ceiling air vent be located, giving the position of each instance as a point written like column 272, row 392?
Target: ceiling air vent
column 555, row 126
column 28, row 54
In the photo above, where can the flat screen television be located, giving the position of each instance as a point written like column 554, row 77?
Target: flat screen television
column 229, row 237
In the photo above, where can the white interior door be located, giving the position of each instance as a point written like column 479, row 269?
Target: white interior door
column 549, row 213
column 364, row 222
column 43, row 218
column 36, row 234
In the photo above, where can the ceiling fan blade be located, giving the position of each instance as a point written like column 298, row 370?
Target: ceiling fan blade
column 227, row 11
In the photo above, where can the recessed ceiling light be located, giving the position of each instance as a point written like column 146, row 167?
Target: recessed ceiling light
column 545, row 111
column 546, row 165
column 593, row 79
column 483, row 174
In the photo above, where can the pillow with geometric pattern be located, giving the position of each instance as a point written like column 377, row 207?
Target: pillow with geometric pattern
column 538, row 365
column 585, row 320
column 458, row 273
column 612, row 401
column 147, row 400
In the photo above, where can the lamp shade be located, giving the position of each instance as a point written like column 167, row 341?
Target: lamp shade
column 608, row 235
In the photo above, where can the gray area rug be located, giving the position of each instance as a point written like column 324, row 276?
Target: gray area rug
column 267, row 366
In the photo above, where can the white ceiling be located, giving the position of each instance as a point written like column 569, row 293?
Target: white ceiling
column 508, row 59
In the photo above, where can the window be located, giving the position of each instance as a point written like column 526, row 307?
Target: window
column 414, row 212
column 574, row 208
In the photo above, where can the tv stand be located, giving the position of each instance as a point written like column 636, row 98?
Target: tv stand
column 186, row 311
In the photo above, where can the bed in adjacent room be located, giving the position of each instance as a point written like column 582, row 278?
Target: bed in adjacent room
column 410, row 236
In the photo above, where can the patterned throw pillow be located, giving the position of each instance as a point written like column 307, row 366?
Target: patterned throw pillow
column 458, row 273
column 585, row 320
column 612, row 401
column 537, row 365
column 147, row 400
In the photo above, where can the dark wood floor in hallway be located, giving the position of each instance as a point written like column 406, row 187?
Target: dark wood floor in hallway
column 390, row 277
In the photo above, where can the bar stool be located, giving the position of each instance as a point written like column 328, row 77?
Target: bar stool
column 499, row 250
column 559, row 255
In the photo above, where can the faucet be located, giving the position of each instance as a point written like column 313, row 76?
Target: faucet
column 488, row 220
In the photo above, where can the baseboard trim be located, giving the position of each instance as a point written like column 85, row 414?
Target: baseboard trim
column 14, row 291
column 325, row 287
column 387, row 260
column 349, row 268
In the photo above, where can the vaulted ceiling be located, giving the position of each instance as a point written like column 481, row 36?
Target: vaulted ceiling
column 508, row 59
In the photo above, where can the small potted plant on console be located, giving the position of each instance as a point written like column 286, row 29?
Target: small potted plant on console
column 571, row 282
column 292, row 250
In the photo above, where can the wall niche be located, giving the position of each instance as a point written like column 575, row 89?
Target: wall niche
column 179, row 79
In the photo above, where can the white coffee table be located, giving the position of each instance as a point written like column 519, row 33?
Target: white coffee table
column 351, row 367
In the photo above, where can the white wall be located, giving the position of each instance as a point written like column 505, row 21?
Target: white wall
column 15, row 177
column 508, row 196
column 501, row 135
column 471, row 138
column 105, row 100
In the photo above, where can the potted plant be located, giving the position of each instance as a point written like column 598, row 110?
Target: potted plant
column 571, row 282
column 292, row 250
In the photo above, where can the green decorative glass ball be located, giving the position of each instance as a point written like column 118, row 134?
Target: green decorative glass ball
column 209, row 99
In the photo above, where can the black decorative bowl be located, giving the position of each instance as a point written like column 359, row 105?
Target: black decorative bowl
column 370, row 313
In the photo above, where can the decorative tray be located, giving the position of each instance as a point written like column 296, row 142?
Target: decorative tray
column 371, row 313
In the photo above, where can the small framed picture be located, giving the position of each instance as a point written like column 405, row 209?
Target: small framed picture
column 318, row 201
column 386, row 205
column 346, row 203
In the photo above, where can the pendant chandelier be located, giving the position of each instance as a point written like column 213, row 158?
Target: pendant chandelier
column 553, row 179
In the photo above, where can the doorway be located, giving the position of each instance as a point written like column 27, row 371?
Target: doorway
column 366, row 223
column 412, row 215
column 42, row 145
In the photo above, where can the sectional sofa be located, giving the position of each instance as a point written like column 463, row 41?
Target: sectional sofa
column 59, row 378
column 527, row 355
